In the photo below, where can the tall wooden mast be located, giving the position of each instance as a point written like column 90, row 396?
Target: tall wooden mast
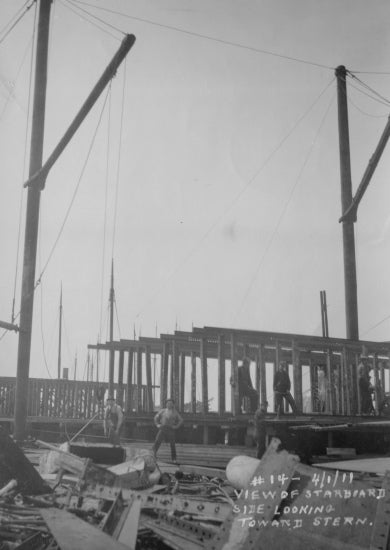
column 350, row 281
column 32, row 219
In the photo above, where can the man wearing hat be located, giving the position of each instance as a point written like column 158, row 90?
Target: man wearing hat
column 365, row 387
column 113, row 421
column 245, row 386
column 282, row 386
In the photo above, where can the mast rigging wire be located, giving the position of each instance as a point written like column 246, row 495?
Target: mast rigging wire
column 283, row 212
column 105, row 210
column 205, row 36
column 74, row 192
column 19, row 18
column 73, row 10
column 232, row 203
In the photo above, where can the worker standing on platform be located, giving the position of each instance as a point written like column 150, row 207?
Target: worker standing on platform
column 167, row 421
column 113, row 421
column 282, row 386
column 365, row 387
column 245, row 386
column 261, row 429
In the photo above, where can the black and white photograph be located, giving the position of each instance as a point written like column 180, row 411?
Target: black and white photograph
column 195, row 256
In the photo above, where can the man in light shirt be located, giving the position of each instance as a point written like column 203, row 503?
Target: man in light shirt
column 167, row 421
column 113, row 421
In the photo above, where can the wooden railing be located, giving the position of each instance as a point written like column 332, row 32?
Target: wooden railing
column 65, row 398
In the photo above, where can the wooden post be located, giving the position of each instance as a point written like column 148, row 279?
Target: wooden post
column 164, row 374
column 120, row 378
column 236, row 405
column 221, row 375
column 139, row 380
column 382, row 376
column 175, row 372
column 32, row 223
column 313, row 384
column 129, row 393
column 263, row 376
column 376, row 382
column 330, row 381
column 297, row 374
column 149, row 384
column 193, row 382
column 203, row 367
column 182, row 381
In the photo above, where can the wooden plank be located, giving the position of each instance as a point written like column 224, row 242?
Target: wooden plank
column 263, row 375
column 376, row 382
column 119, row 396
column 221, row 375
column 236, row 405
column 149, row 383
column 313, row 385
column 297, row 375
column 129, row 530
column 182, row 381
column 175, row 371
column 71, row 532
column 14, row 465
column 130, row 363
column 164, row 374
column 329, row 392
column 193, row 382
column 204, row 377
column 138, row 406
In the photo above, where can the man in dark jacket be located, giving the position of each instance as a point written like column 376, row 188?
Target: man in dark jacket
column 282, row 386
column 245, row 386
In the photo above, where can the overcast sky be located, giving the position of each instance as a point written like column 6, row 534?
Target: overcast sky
column 220, row 202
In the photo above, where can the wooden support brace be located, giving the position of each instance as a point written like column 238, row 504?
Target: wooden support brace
column 236, row 405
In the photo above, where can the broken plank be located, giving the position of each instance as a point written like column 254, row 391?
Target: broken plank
column 14, row 465
column 127, row 532
column 71, row 532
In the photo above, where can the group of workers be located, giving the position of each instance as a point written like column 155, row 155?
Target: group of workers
column 168, row 420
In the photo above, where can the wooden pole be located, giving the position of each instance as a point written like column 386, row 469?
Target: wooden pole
column 204, row 376
column 32, row 221
column 350, row 282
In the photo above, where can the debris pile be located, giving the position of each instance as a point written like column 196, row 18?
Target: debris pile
column 139, row 504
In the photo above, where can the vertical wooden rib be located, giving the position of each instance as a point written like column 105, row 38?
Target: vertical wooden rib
column 203, row 366
column 182, row 381
column 130, row 367
column 120, row 377
column 149, row 384
column 193, row 382
column 164, row 373
column 221, row 375
column 263, row 376
column 236, row 405
column 297, row 375
column 139, row 380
